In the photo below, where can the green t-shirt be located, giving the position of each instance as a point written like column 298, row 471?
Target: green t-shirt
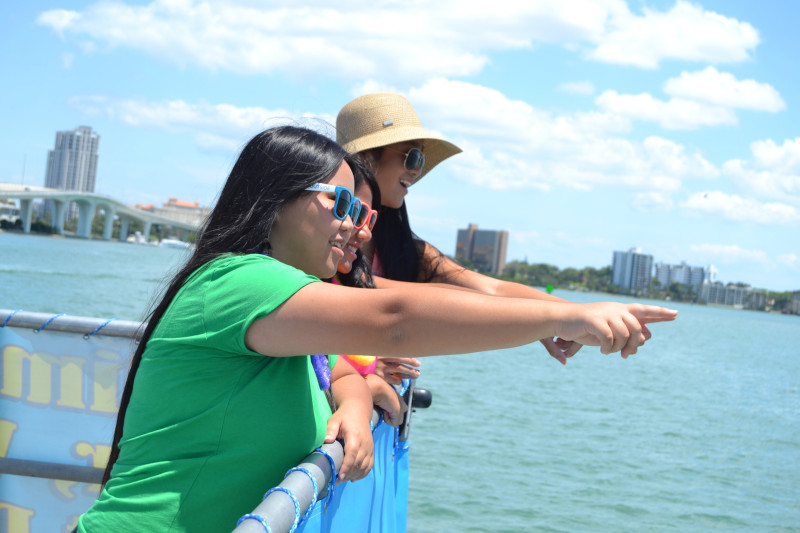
column 211, row 425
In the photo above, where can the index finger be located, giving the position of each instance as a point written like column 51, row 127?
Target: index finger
column 647, row 314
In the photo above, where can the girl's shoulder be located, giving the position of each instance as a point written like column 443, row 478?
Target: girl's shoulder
column 246, row 264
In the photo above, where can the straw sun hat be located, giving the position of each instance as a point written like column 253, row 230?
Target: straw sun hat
column 381, row 119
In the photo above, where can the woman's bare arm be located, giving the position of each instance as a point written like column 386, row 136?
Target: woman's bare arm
column 422, row 321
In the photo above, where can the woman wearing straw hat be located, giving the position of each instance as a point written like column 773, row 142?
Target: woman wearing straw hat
column 385, row 132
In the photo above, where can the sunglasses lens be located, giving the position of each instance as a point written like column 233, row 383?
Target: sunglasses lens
column 343, row 202
column 412, row 158
column 373, row 218
column 362, row 217
column 355, row 211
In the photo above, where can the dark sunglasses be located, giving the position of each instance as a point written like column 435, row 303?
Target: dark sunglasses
column 366, row 217
column 345, row 204
column 414, row 158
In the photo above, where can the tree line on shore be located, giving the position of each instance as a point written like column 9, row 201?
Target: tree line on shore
column 587, row 279
column 599, row 280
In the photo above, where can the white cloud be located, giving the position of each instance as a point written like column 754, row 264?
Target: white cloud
column 698, row 99
column 507, row 143
column 673, row 114
column 734, row 207
column 723, row 89
column 790, row 260
column 774, row 171
column 218, row 127
column 360, row 40
column 652, row 201
column 672, row 159
column 783, row 158
column 216, row 143
column 729, row 253
column 685, row 32
column 577, row 87
column 59, row 19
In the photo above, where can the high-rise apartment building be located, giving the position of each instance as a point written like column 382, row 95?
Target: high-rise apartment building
column 684, row 274
column 632, row 270
column 486, row 249
column 72, row 163
column 741, row 296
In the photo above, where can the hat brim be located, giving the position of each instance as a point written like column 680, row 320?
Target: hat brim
column 435, row 148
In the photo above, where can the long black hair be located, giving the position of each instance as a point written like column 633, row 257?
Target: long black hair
column 274, row 168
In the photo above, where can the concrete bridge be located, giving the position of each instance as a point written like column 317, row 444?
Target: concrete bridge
column 87, row 204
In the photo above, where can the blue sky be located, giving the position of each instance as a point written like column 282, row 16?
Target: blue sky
column 588, row 126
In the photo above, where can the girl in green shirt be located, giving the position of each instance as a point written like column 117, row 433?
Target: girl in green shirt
column 222, row 397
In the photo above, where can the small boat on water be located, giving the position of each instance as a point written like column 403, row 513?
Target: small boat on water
column 136, row 238
column 171, row 242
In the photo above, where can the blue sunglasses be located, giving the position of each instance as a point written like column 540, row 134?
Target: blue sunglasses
column 346, row 202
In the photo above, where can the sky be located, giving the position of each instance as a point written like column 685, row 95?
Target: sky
column 587, row 126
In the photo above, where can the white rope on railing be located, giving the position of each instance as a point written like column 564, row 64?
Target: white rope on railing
column 289, row 504
column 86, row 326
column 286, row 505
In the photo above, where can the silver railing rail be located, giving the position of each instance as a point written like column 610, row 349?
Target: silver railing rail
column 286, row 504
column 278, row 510
column 87, row 326
column 43, row 469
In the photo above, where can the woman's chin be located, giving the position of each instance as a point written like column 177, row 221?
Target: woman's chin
column 344, row 267
column 397, row 204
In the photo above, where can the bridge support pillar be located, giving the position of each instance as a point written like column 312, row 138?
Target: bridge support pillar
column 108, row 227
column 146, row 231
column 59, row 215
column 85, row 217
column 123, row 229
column 26, row 212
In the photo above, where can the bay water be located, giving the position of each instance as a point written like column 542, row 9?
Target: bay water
column 700, row 431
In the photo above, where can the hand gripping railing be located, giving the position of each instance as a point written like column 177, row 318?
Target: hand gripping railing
column 288, row 504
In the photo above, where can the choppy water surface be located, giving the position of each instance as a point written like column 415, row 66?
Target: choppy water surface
column 700, row 431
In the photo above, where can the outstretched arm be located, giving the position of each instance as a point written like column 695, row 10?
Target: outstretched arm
column 449, row 273
column 422, row 321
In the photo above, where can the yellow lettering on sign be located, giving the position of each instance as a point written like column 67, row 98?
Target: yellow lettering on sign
column 7, row 429
column 105, row 384
column 39, row 380
column 71, row 381
column 72, row 522
column 16, row 519
column 99, row 453
column 40, row 377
